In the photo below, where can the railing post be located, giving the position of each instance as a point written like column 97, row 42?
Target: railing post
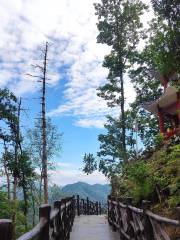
column 130, row 230
column 148, row 229
column 5, row 229
column 108, row 206
column 100, row 209
column 120, row 220
column 97, row 208
column 65, row 219
column 83, row 207
column 178, row 213
column 44, row 212
column 74, row 208
column 87, row 206
column 59, row 227
column 114, row 228
column 78, row 206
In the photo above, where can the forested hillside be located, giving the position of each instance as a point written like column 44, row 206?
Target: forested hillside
column 96, row 192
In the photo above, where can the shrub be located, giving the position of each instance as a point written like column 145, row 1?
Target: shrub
column 139, row 173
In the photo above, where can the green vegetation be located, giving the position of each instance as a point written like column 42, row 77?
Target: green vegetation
column 156, row 179
column 151, row 172
column 20, row 196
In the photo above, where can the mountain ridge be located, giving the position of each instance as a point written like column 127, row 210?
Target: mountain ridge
column 95, row 192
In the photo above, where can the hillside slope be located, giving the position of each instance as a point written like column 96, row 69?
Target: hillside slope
column 156, row 179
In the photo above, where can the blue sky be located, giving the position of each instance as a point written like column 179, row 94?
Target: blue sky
column 75, row 70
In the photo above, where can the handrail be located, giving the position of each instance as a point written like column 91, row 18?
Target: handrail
column 54, row 213
column 136, row 223
column 162, row 219
column 136, row 210
column 87, row 207
column 55, row 222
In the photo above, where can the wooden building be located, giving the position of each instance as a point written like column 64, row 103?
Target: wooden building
column 167, row 107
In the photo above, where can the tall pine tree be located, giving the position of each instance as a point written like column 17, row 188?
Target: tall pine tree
column 120, row 28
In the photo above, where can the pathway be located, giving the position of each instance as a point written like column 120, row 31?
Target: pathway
column 92, row 227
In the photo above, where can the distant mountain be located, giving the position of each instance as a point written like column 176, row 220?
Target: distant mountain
column 96, row 192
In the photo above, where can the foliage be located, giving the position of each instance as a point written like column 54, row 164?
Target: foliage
column 160, row 56
column 140, row 176
column 156, row 180
column 164, row 45
column 8, row 108
column 120, row 28
column 33, row 146
column 148, row 89
column 110, row 156
column 111, row 150
column 6, row 210
column 90, row 164
column 34, row 143
column 7, row 104
column 159, row 140
column 4, row 206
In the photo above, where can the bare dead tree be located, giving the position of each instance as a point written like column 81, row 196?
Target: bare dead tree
column 43, row 112
column 42, row 78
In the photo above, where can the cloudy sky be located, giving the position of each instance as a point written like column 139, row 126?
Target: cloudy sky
column 75, row 71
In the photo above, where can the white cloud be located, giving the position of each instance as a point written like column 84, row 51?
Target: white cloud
column 68, row 176
column 71, row 28
column 87, row 123
column 68, row 172
column 63, row 164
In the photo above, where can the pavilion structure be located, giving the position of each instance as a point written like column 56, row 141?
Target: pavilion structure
column 167, row 107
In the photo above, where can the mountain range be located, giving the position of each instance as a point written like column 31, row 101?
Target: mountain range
column 96, row 192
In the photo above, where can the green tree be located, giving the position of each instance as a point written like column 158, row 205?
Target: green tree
column 6, row 211
column 163, row 46
column 26, row 176
column 120, row 28
column 160, row 57
column 9, row 121
column 33, row 145
column 90, row 163
column 108, row 157
column 148, row 89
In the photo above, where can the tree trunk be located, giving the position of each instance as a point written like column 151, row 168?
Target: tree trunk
column 8, row 182
column 40, row 188
column 14, row 209
column 16, row 148
column 44, row 144
column 6, row 172
column 34, row 210
column 33, row 205
column 25, row 202
column 123, row 118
